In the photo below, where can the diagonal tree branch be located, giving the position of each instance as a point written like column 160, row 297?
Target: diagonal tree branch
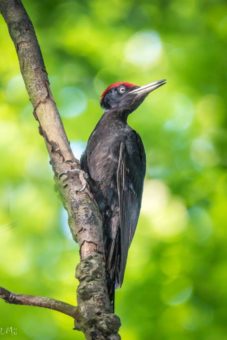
column 38, row 301
column 93, row 315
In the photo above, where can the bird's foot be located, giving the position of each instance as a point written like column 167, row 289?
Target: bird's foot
column 83, row 179
column 73, row 174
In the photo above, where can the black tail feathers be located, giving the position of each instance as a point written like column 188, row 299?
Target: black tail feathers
column 111, row 292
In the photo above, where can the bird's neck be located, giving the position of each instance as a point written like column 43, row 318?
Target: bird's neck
column 115, row 115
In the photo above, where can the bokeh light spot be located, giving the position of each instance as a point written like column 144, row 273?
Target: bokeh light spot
column 203, row 152
column 15, row 90
column 144, row 49
column 167, row 214
column 177, row 291
column 183, row 113
column 72, row 101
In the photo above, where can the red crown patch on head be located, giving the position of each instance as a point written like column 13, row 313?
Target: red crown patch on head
column 116, row 85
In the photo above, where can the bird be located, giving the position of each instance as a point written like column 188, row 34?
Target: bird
column 115, row 162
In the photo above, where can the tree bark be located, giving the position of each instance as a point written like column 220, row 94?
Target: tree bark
column 93, row 315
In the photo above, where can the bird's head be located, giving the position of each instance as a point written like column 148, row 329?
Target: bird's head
column 126, row 97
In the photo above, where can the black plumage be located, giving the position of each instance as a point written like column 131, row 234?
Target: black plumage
column 115, row 162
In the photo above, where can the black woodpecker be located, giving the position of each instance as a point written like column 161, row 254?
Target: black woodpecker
column 115, row 161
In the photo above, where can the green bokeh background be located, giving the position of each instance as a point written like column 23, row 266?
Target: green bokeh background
column 176, row 280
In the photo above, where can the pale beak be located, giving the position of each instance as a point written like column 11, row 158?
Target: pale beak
column 143, row 90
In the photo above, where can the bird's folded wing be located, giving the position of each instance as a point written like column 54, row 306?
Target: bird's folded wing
column 129, row 208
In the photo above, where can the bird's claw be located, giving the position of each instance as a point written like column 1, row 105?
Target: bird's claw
column 71, row 174
column 83, row 179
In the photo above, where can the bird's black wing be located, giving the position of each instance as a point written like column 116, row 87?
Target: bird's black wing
column 116, row 169
column 130, row 176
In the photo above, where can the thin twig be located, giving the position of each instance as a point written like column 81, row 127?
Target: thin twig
column 38, row 301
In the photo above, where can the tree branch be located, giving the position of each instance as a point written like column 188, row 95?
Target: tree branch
column 94, row 315
column 38, row 301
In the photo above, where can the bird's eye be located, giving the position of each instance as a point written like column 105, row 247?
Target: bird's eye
column 122, row 89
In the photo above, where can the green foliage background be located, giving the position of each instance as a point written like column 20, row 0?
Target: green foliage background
column 176, row 281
